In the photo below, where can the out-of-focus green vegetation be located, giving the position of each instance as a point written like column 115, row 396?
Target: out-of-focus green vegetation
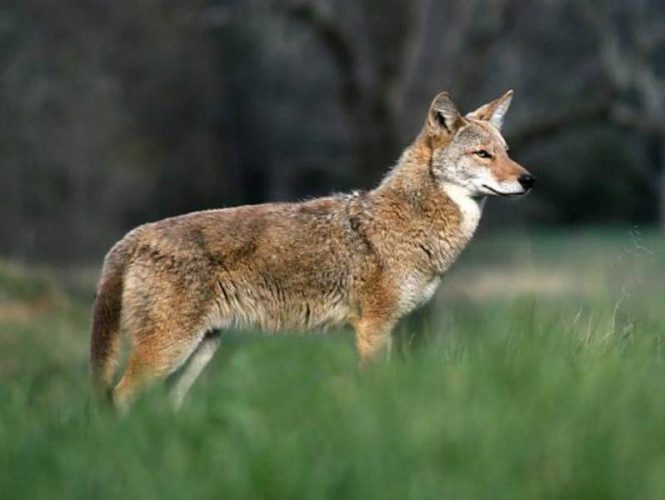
column 537, row 372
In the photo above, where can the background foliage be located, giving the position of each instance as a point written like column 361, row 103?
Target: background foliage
column 115, row 113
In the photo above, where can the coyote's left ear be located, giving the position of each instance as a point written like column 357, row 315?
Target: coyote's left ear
column 494, row 111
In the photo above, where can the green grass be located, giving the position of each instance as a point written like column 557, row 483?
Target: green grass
column 537, row 372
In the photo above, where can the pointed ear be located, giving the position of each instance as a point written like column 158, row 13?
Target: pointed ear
column 494, row 111
column 443, row 117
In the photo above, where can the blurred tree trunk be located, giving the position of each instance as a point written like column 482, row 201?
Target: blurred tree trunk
column 372, row 97
column 395, row 33
column 375, row 139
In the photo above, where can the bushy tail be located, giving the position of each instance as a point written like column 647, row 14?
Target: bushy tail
column 105, row 338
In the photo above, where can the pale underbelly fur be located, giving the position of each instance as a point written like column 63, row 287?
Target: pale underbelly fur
column 294, row 315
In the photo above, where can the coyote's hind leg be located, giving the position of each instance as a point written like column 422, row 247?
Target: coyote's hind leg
column 153, row 358
column 193, row 367
column 164, row 336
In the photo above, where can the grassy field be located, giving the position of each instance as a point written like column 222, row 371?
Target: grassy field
column 537, row 372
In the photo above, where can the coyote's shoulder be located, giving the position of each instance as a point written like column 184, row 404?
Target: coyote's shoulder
column 365, row 258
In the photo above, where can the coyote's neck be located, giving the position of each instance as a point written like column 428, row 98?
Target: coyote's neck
column 443, row 215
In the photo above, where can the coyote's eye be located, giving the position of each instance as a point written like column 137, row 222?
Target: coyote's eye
column 483, row 154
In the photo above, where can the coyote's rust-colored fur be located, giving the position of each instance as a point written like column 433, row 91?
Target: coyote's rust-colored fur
column 365, row 258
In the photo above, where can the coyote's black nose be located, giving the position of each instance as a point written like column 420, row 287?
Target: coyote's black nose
column 527, row 181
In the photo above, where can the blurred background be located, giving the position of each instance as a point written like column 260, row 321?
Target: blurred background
column 535, row 372
column 117, row 113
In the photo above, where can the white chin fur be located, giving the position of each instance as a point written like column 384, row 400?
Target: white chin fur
column 502, row 189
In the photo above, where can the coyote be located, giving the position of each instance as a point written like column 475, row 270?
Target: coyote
column 365, row 259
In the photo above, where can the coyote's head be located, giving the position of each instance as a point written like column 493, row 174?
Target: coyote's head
column 469, row 151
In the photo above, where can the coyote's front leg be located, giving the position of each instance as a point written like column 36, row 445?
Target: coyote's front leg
column 373, row 336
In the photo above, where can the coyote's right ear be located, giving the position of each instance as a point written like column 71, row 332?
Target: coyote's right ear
column 494, row 111
column 443, row 118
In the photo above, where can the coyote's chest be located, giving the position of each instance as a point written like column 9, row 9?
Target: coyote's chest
column 417, row 287
column 470, row 210
column 416, row 290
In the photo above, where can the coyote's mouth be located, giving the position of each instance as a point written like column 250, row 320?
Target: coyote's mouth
column 500, row 193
